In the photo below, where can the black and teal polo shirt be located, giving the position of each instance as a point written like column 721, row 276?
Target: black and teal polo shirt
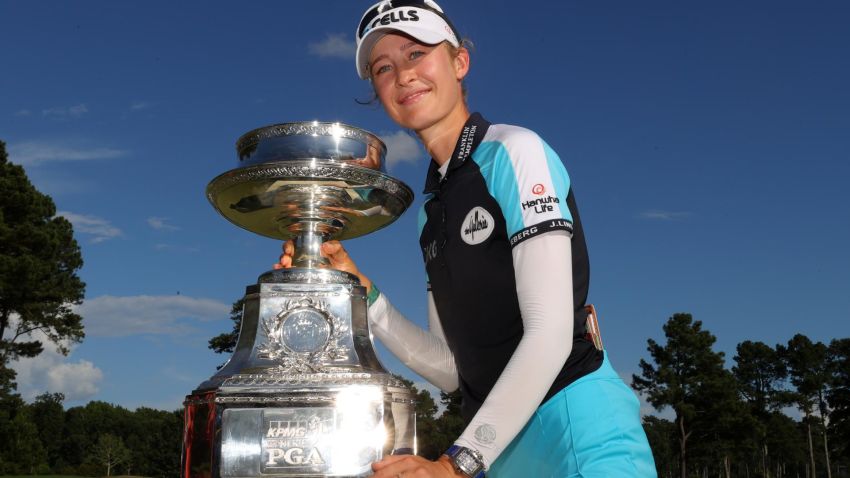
column 503, row 186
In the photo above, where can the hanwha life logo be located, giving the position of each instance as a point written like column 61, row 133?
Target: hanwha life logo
column 477, row 226
column 538, row 189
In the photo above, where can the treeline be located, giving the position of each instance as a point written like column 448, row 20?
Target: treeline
column 99, row 439
column 736, row 423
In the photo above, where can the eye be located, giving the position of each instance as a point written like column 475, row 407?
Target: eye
column 417, row 53
column 378, row 69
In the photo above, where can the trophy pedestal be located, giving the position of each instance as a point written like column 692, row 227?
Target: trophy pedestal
column 304, row 394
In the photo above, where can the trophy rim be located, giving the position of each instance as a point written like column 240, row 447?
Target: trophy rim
column 312, row 128
column 272, row 170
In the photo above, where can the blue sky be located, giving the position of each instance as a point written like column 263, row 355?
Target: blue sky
column 708, row 145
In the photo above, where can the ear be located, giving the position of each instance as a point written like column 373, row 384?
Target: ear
column 461, row 63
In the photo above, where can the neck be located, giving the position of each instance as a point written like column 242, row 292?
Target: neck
column 440, row 138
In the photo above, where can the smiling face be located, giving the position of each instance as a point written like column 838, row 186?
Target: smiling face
column 419, row 85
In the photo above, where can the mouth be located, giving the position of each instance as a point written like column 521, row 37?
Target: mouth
column 413, row 96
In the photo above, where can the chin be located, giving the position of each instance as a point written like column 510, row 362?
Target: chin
column 409, row 122
column 417, row 120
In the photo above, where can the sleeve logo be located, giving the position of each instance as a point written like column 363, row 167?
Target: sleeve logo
column 541, row 205
column 477, row 226
column 538, row 189
column 485, row 434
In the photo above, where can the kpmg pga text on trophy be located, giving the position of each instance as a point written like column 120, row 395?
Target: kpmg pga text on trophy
column 303, row 394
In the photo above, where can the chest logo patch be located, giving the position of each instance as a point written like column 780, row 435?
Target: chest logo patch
column 477, row 226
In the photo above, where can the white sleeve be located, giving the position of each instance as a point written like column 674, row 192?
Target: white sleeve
column 545, row 295
column 426, row 353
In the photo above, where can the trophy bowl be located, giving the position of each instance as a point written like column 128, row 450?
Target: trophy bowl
column 310, row 182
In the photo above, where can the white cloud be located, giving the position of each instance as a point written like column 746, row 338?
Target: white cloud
column 160, row 224
column 110, row 316
column 35, row 152
column 335, row 45
column 53, row 372
column 139, row 105
column 658, row 215
column 61, row 112
column 76, row 380
column 23, row 112
column 99, row 228
column 401, row 148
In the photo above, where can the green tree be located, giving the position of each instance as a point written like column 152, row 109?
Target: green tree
column 226, row 343
column 686, row 369
column 838, row 398
column 10, row 406
column 809, row 371
column 786, row 444
column 760, row 373
column 662, row 436
column 25, row 449
column 75, row 439
column 110, row 452
column 39, row 259
column 450, row 424
column 154, row 438
column 84, row 426
column 48, row 416
column 725, row 422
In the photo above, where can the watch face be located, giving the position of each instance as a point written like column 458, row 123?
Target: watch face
column 466, row 461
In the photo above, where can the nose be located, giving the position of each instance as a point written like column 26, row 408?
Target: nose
column 406, row 75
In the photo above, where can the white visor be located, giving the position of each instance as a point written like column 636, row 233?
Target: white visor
column 421, row 24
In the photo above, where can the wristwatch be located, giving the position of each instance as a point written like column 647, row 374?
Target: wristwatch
column 466, row 460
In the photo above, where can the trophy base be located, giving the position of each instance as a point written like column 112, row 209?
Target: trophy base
column 303, row 394
column 312, row 432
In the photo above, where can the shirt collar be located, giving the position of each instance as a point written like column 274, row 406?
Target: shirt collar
column 470, row 137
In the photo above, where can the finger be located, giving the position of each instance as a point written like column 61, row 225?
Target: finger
column 289, row 247
column 388, row 460
column 284, row 262
column 332, row 247
column 334, row 251
column 391, row 470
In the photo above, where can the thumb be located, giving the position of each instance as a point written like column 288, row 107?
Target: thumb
column 334, row 251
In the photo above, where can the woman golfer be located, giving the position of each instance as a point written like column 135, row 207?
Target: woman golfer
column 507, row 270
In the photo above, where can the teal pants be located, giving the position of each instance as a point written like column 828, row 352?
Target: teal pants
column 590, row 429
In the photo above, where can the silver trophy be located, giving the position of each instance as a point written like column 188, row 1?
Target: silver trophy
column 303, row 393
